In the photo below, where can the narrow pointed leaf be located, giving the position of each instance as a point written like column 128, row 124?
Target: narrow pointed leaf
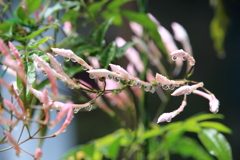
column 216, row 125
column 108, row 54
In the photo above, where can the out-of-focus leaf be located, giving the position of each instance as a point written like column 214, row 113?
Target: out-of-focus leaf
column 216, row 144
column 61, row 5
column 40, row 54
column 115, row 15
column 108, row 54
column 32, row 5
column 145, row 21
column 85, row 49
column 153, row 132
column 35, row 44
column 5, row 26
column 96, row 6
column 70, row 15
column 203, row 117
column 122, row 50
column 34, row 34
column 218, row 28
column 191, row 126
column 188, row 147
column 116, row 4
column 97, row 35
column 73, row 41
column 23, row 14
column 216, row 125
column 71, row 71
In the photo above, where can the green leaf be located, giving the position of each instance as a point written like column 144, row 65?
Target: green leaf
column 203, row 117
column 146, row 22
column 116, row 4
column 188, row 147
column 35, row 44
column 26, row 96
column 218, row 28
column 216, row 125
column 32, row 5
column 23, row 15
column 95, row 7
column 85, row 49
column 97, row 35
column 5, row 26
column 60, row 6
column 34, row 34
column 108, row 54
column 216, row 144
column 70, row 15
column 122, row 50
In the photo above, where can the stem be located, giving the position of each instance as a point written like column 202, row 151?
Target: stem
column 89, row 13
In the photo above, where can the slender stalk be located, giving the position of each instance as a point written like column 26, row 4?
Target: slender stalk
column 89, row 13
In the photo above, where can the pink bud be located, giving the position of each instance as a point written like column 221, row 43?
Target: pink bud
column 69, row 54
column 49, row 19
column 65, row 109
column 12, row 142
column 68, row 119
column 38, row 153
column 186, row 89
column 13, row 108
column 132, row 55
column 67, row 28
column 183, row 55
column 6, row 121
column 213, row 101
column 164, row 81
column 214, row 104
column 136, row 28
column 153, row 19
column 4, row 48
column 168, row 116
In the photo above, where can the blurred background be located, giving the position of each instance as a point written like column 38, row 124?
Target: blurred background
column 220, row 75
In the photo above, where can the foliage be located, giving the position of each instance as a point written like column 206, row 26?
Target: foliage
column 151, row 50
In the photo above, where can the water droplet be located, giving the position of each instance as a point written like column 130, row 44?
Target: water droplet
column 169, row 120
column 174, row 58
column 91, row 76
column 75, row 110
column 146, row 88
column 152, row 89
column 139, row 85
column 117, row 79
column 177, row 85
column 89, row 108
column 110, row 76
column 132, row 82
column 171, row 86
column 70, row 86
column 184, row 58
column 84, row 68
column 165, row 87
column 89, row 93
column 73, row 60
column 44, row 73
column 212, row 152
column 66, row 59
column 188, row 93
column 54, row 53
column 39, row 66
column 159, row 84
column 58, row 110
column 116, row 91
column 64, row 130
column 63, row 78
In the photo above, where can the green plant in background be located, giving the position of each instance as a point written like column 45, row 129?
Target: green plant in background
column 121, row 93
